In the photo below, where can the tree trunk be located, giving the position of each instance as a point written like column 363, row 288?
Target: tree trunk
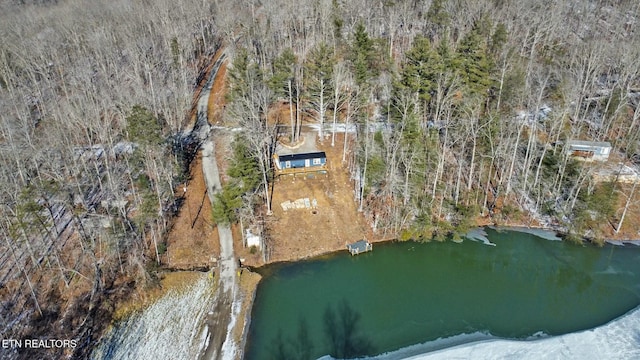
column 291, row 117
column 626, row 207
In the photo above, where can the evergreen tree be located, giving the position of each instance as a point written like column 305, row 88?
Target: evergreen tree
column 283, row 74
column 237, row 84
column 143, row 127
column 498, row 39
column 421, row 69
column 336, row 17
column 475, row 65
column 319, row 65
column 245, row 78
column 225, row 204
column 244, row 167
column 363, row 56
column 319, row 70
column 447, row 57
column 437, row 18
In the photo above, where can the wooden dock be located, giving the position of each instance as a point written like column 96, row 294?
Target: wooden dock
column 359, row 247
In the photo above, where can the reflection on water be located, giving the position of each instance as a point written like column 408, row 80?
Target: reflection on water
column 342, row 334
column 345, row 338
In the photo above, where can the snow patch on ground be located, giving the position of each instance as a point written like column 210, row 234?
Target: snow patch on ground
column 168, row 329
column 230, row 347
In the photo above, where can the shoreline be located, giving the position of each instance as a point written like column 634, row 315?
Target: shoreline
column 246, row 303
column 250, row 294
column 560, row 236
column 555, row 235
column 558, row 344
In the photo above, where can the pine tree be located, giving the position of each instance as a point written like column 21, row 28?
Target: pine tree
column 237, row 75
column 498, row 39
column 283, row 74
column 225, row 204
column 319, row 69
column 143, row 127
column 282, row 84
column 475, row 65
column 336, row 17
column 437, row 18
column 363, row 56
column 421, row 69
column 244, row 167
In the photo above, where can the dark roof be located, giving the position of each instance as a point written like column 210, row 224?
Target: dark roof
column 303, row 156
column 360, row 245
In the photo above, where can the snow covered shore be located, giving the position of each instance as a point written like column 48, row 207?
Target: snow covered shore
column 619, row 339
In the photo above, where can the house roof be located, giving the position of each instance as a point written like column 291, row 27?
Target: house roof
column 589, row 143
column 359, row 246
column 302, row 156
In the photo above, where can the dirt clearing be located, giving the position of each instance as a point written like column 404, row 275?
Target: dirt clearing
column 328, row 226
column 193, row 239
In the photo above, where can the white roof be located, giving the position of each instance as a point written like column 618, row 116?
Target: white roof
column 589, row 143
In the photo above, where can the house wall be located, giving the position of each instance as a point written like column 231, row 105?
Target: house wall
column 301, row 163
column 322, row 162
column 252, row 240
column 297, row 163
column 599, row 153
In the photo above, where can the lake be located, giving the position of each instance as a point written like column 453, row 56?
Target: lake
column 408, row 293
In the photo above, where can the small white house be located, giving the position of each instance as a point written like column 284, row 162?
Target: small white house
column 589, row 150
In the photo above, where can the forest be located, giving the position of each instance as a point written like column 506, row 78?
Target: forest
column 461, row 109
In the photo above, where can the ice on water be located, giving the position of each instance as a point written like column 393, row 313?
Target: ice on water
column 619, row 339
column 541, row 233
column 478, row 234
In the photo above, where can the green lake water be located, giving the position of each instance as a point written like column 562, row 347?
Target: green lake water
column 409, row 293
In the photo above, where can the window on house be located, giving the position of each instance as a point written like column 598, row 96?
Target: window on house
column 316, row 162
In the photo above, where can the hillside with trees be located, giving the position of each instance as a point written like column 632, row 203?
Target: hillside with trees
column 93, row 100
column 461, row 110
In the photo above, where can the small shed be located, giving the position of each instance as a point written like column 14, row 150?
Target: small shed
column 590, row 150
column 359, row 247
column 251, row 239
column 302, row 160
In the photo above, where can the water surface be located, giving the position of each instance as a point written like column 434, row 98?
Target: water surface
column 408, row 293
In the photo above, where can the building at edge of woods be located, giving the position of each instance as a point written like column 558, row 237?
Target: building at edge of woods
column 301, row 162
column 589, row 150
